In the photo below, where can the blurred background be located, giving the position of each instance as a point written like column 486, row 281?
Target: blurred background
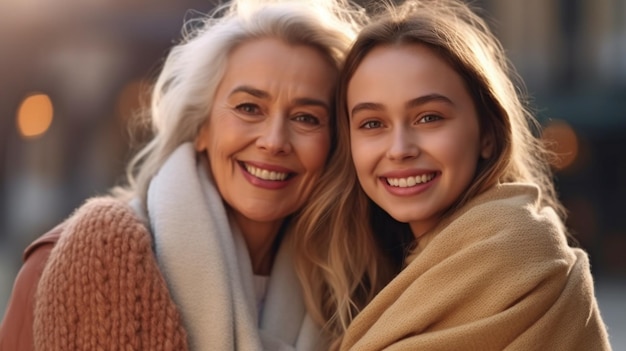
column 72, row 75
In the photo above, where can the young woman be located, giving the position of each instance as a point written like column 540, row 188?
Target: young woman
column 192, row 254
column 438, row 226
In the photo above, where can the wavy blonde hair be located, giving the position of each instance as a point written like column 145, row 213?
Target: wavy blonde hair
column 349, row 247
column 182, row 96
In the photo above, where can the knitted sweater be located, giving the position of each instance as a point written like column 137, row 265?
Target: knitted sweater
column 101, row 288
column 498, row 275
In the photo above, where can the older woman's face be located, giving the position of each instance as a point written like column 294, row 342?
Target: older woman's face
column 268, row 133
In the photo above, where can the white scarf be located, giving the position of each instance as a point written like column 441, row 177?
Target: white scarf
column 208, row 270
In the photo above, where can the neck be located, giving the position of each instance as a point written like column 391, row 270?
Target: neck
column 420, row 229
column 259, row 238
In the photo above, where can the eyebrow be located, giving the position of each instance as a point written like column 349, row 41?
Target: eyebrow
column 418, row 101
column 250, row 90
column 261, row 94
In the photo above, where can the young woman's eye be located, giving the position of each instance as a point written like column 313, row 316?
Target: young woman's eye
column 248, row 108
column 429, row 118
column 306, row 118
column 371, row 125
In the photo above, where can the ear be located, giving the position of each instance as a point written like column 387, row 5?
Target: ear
column 487, row 146
column 201, row 141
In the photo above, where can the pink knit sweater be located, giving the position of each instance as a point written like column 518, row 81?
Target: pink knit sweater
column 102, row 289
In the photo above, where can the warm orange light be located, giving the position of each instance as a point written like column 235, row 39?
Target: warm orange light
column 563, row 141
column 34, row 115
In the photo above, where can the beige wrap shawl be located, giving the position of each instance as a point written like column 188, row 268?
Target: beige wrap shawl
column 497, row 275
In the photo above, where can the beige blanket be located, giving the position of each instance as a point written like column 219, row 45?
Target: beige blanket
column 498, row 275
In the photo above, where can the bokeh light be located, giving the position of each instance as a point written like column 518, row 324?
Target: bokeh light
column 562, row 140
column 34, row 116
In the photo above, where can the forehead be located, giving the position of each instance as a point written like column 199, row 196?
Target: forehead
column 271, row 64
column 404, row 71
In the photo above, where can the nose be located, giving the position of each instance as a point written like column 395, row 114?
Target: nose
column 275, row 137
column 403, row 145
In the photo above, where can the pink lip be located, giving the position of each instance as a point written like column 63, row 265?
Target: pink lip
column 266, row 184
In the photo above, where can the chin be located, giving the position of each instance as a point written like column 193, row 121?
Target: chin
column 265, row 217
column 403, row 216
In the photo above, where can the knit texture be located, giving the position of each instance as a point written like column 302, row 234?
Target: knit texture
column 499, row 275
column 101, row 288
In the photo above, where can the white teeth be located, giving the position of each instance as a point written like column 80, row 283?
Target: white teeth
column 265, row 174
column 410, row 181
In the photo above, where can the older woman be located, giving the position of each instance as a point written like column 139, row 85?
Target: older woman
column 191, row 253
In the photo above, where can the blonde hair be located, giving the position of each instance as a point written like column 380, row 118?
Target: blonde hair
column 349, row 248
column 183, row 93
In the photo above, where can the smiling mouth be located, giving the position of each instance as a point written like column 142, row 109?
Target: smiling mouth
column 265, row 174
column 410, row 181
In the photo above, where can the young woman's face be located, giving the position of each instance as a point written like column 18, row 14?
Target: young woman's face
column 414, row 133
column 268, row 133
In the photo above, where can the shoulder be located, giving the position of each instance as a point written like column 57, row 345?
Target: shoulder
column 102, row 233
column 509, row 199
column 103, row 237
column 513, row 207
column 102, row 264
column 507, row 220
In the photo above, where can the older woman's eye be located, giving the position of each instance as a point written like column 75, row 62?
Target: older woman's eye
column 306, row 118
column 248, row 108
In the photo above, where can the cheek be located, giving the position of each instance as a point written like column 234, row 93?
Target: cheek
column 223, row 134
column 215, row 144
column 460, row 151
